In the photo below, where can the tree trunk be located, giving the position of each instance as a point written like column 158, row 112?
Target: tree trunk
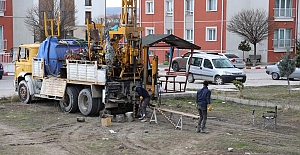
column 254, row 61
column 289, row 86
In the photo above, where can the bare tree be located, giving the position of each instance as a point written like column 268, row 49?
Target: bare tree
column 35, row 17
column 254, row 25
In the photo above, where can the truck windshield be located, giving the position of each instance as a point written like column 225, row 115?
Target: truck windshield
column 222, row 63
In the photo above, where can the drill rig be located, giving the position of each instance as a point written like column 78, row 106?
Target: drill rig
column 131, row 64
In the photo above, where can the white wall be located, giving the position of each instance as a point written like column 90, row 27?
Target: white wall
column 233, row 40
column 21, row 34
column 98, row 9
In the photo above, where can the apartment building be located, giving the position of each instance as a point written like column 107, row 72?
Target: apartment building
column 92, row 9
column 203, row 22
column 6, row 24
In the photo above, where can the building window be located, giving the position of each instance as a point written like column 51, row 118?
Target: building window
column 88, row 2
column 1, row 38
column 211, row 33
column 151, row 53
column 88, row 15
column 282, row 38
column 149, row 7
column 169, row 8
column 211, row 5
column 169, row 31
column 149, row 30
column 189, row 7
column 2, row 5
column 189, row 35
column 283, row 8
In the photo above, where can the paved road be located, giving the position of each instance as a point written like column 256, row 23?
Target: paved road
column 254, row 78
column 6, row 86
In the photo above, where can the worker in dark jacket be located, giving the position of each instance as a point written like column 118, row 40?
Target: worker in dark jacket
column 145, row 99
column 203, row 101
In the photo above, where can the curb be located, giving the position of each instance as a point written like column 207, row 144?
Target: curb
column 257, row 67
column 8, row 74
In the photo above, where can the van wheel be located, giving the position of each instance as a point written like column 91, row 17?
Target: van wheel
column 218, row 80
column 175, row 66
column 23, row 92
column 88, row 106
column 275, row 76
column 69, row 103
column 191, row 78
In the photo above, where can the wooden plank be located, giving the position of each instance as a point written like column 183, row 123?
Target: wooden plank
column 180, row 113
column 53, row 87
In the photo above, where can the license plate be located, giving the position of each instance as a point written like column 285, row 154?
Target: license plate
column 238, row 61
column 239, row 78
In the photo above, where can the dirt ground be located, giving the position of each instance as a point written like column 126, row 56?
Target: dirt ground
column 41, row 128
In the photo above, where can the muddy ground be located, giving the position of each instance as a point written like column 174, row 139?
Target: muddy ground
column 41, row 128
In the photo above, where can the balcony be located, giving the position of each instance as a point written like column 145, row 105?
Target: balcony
column 3, row 45
column 284, row 14
column 280, row 45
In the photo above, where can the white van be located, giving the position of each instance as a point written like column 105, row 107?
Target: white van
column 214, row 68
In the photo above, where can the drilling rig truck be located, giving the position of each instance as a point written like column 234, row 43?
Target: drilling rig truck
column 75, row 73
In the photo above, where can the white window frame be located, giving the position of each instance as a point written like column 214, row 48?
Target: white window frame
column 207, row 34
column 169, row 31
column 284, row 11
column 208, row 5
column 191, row 33
column 148, row 10
column 189, row 10
column 169, row 7
column 284, row 39
column 147, row 29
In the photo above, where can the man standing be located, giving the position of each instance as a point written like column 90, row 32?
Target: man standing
column 145, row 99
column 110, row 54
column 203, row 101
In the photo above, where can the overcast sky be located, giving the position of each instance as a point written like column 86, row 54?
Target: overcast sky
column 113, row 3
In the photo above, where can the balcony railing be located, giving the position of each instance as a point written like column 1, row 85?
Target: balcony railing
column 284, row 12
column 3, row 45
column 283, row 43
column 2, row 5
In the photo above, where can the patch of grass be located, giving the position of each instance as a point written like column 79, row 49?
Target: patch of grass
column 10, row 99
column 273, row 94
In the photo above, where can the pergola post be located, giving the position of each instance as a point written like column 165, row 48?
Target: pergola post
column 171, row 56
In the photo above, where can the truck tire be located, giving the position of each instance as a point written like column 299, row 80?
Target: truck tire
column 23, row 92
column 88, row 106
column 69, row 103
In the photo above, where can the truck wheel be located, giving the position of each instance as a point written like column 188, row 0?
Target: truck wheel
column 88, row 106
column 23, row 92
column 69, row 103
column 175, row 67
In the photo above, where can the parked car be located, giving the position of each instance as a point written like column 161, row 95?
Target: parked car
column 1, row 71
column 274, row 71
column 214, row 68
column 235, row 60
column 179, row 63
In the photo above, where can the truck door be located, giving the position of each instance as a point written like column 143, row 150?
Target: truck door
column 23, row 63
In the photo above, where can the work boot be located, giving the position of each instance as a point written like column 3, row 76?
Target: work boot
column 198, row 129
column 144, row 119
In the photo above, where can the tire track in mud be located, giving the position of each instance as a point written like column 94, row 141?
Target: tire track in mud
column 131, row 139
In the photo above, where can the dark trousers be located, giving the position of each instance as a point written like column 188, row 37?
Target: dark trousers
column 203, row 117
column 144, row 104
